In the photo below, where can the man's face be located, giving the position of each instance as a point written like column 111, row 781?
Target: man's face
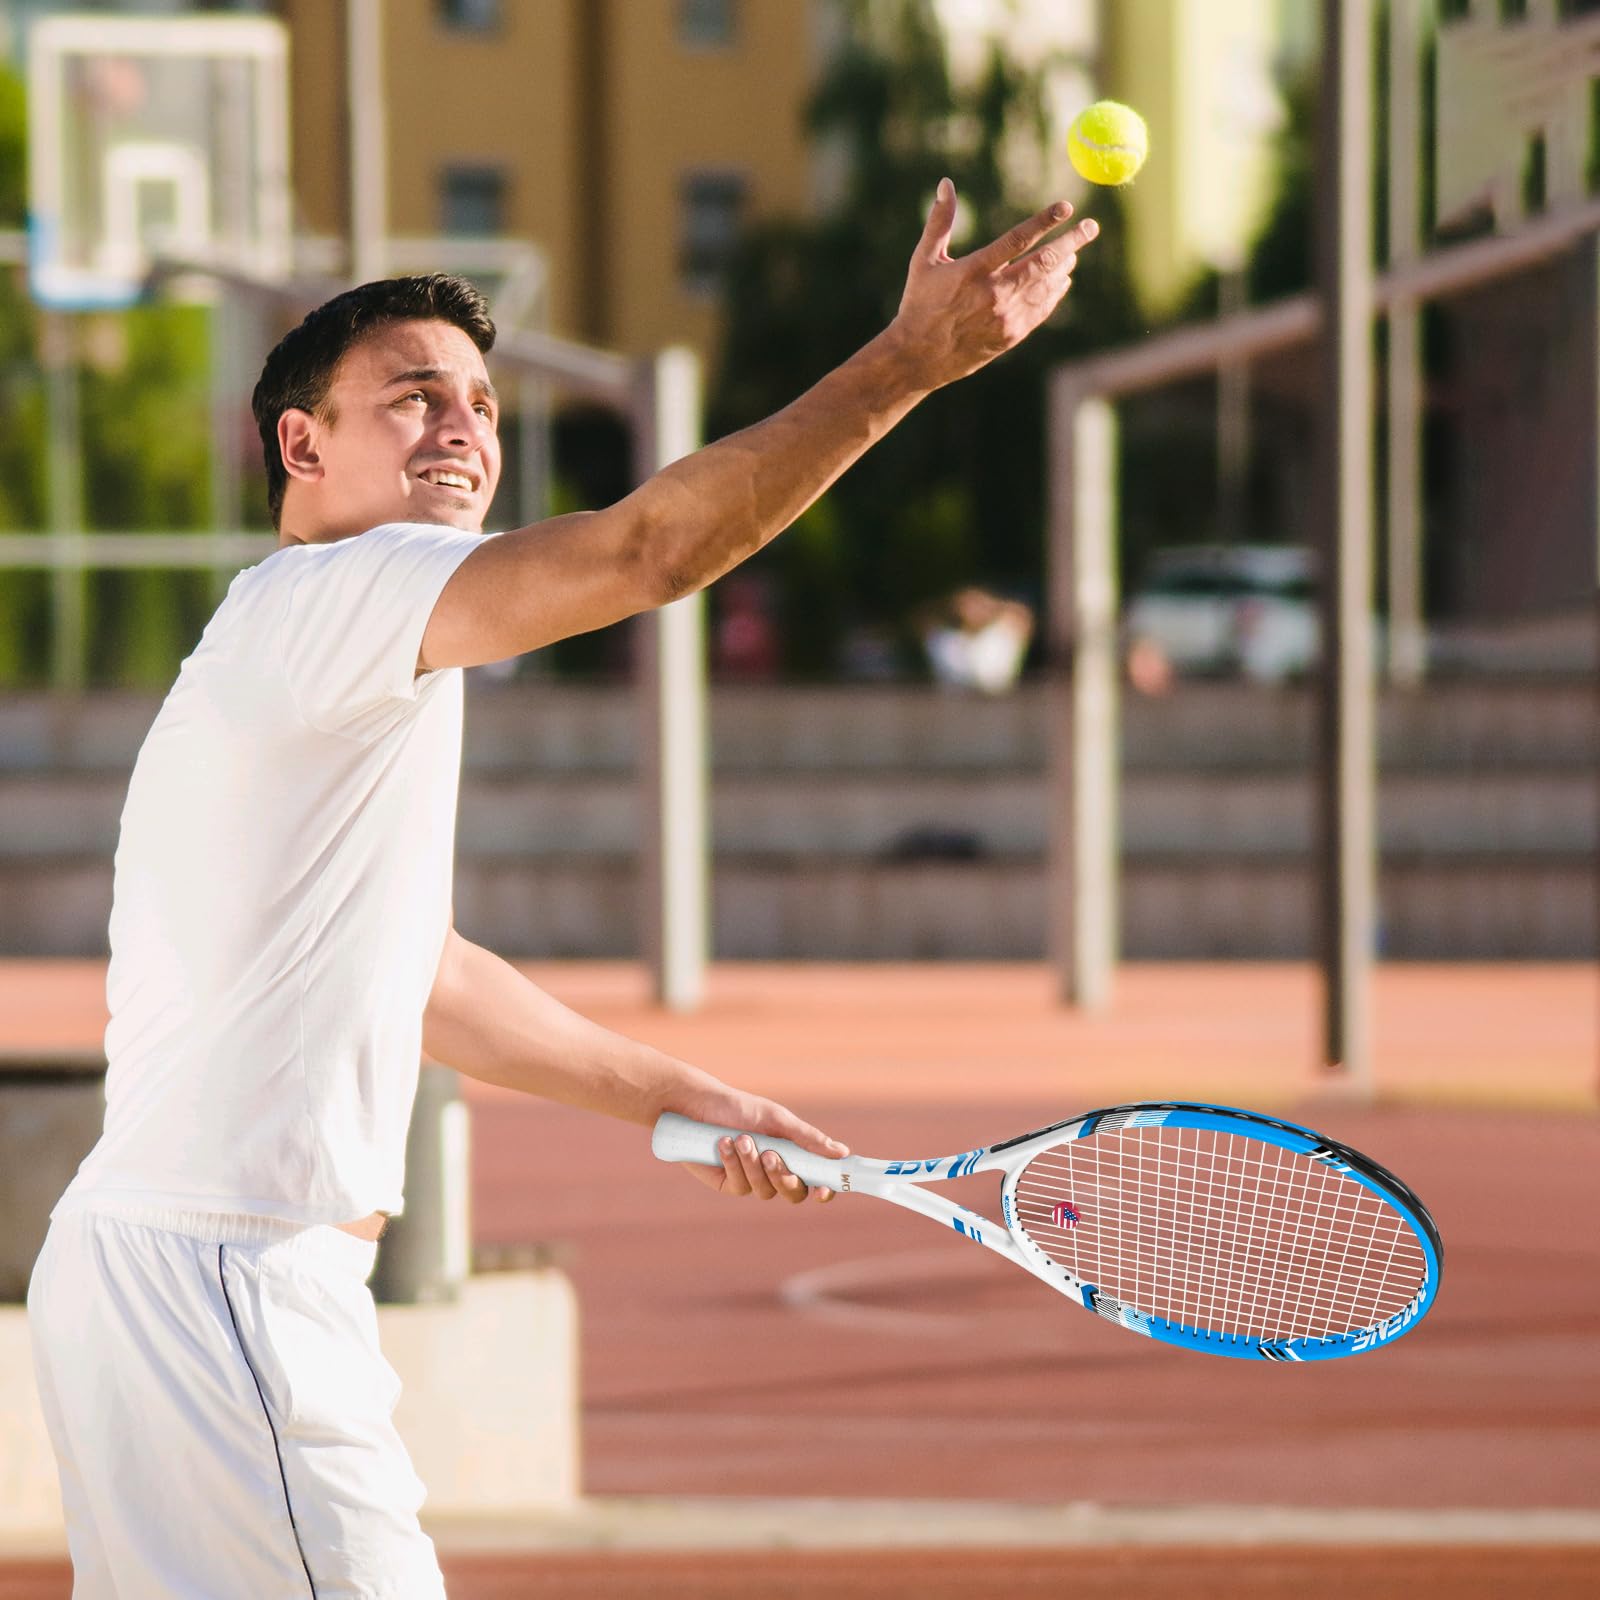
column 413, row 433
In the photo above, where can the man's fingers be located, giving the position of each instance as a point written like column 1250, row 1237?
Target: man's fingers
column 1041, row 279
column 1075, row 238
column 746, row 1171
column 734, row 1178
column 1020, row 239
column 935, row 241
column 784, row 1181
column 756, row 1175
column 794, row 1189
column 1058, row 256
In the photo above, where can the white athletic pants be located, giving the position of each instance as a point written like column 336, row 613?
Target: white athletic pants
column 221, row 1412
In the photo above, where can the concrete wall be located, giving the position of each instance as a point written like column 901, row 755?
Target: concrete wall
column 898, row 822
column 493, row 1434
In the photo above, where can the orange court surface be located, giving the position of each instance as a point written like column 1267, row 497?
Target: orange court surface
column 738, row 1354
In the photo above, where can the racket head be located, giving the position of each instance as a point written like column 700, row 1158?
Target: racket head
column 1222, row 1230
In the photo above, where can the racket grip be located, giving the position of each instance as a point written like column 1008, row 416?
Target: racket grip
column 682, row 1139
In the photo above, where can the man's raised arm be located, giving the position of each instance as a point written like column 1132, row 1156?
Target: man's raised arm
column 702, row 515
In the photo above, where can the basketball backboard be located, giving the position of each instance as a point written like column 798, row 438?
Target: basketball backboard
column 154, row 138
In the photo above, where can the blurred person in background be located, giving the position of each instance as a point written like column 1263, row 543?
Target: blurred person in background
column 282, row 940
column 978, row 640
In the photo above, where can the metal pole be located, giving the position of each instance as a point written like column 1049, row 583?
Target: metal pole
column 1346, row 749
column 1233, row 417
column 1593, row 249
column 368, row 152
column 533, row 449
column 426, row 1251
column 64, row 449
column 1407, row 654
column 673, row 760
column 1081, row 632
column 226, row 474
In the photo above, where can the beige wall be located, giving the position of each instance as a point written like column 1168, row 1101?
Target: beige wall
column 503, row 99
column 1200, row 73
column 316, row 114
column 596, row 111
column 671, row 110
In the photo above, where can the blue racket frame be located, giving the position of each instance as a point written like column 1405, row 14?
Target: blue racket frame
column 1269, row 1130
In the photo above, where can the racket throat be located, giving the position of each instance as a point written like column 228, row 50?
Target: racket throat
column 1103, row 1305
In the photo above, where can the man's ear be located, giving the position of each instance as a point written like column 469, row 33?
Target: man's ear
column 298, row 444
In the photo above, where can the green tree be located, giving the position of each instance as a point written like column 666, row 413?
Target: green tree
column 146, row 452
column 956, row 494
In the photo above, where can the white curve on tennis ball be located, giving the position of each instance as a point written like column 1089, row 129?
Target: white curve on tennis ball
column 1108, row 149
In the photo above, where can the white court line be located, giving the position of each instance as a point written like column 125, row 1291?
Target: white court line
column 827, row 1292
column 824, row 1293
column 650, row 1522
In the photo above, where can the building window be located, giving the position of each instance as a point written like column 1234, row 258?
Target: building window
column 472, row 200
column 711, row 208
column 470, row 16
column 706, row 24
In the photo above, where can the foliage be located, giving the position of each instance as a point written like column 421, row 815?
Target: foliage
column 147, row 451
column 22, row 456
column 13, row 148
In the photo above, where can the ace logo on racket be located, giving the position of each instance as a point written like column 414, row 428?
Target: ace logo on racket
column 1200, row 1226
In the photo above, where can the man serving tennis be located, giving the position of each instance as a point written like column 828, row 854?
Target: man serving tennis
column 282, row 947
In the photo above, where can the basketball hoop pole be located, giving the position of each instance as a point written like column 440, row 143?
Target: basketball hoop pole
column 369, row 163
column 65, row 478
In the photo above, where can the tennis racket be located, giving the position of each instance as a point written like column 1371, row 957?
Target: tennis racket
column 1201, row 1226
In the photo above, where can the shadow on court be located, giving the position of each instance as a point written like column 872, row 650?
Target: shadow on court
column 1328, row 1573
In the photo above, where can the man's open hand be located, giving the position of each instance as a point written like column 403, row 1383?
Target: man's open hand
column 958, row 315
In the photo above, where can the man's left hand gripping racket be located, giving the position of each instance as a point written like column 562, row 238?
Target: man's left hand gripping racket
column 1201, row 1226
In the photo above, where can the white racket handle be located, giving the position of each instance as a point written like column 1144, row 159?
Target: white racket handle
column 683, row 1139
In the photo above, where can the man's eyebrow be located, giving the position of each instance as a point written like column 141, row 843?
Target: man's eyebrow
column 481, row 387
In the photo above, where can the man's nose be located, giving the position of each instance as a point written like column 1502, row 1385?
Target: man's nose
column 460, row 424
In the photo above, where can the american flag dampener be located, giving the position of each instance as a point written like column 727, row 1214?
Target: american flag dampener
column 1063, row 1214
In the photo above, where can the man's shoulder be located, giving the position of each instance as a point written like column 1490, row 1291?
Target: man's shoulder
column 292, row 561
column 401, row 533
column 386, row 541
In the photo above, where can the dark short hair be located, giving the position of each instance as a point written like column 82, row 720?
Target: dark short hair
column 298, row 373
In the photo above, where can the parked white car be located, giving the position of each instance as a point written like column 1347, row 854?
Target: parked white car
column 1249, row 608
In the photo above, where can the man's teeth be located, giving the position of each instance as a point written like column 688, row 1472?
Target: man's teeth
column 450, row 480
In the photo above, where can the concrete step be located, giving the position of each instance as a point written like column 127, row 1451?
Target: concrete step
column 780, row 910
column 561, row 727
column 821, row 907
column 874, row 814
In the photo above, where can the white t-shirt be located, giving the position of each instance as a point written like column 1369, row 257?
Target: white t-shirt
column 282, row 894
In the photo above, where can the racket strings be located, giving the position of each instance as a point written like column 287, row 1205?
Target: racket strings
column 1220, row 1232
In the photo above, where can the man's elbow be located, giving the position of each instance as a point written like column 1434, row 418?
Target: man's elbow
column 679, row 542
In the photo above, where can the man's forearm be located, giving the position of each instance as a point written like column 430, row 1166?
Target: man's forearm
column 488, row 1021
column 711, row 510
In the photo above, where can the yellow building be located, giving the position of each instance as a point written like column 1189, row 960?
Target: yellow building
column 628, row 139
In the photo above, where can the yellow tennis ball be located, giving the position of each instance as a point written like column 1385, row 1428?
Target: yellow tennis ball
column 1108, row 142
